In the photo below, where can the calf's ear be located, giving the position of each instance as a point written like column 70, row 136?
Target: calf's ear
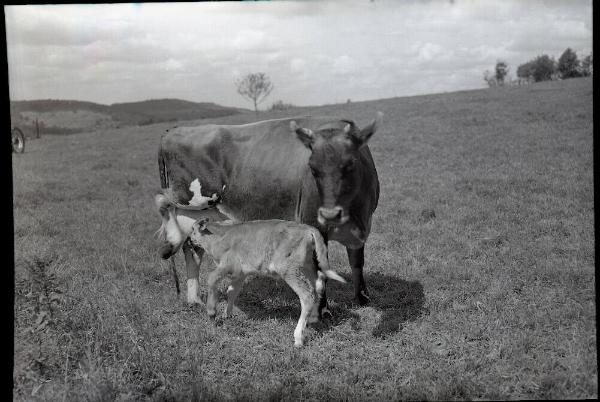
column 304, row 134
column 196, row 226
column 361, row 137
column 200, row 224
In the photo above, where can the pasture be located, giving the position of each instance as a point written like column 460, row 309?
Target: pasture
column 480, row 266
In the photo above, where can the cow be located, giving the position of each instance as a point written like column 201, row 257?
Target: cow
column 288, row 250
column 314, row 170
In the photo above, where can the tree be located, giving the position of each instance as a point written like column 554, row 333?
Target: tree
column 280, row 105
column 568, row 64
column 255, row 87
column 540, row 69
column 526, row 70
column 587, row 65
column 501, row 71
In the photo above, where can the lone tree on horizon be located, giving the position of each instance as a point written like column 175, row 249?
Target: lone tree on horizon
column 501, row 71
column 255, row 87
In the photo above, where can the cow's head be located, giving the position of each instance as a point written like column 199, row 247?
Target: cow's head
column 334, row 163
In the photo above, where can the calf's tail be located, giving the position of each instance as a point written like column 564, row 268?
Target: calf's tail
column 323, row 262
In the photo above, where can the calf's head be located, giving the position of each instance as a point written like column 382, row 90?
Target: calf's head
column 334, row 163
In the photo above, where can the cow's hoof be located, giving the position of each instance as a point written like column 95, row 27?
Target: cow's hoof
column 298, row 344
column 362, row 298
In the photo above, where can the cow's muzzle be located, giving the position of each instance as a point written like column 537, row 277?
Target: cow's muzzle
column 332, row 216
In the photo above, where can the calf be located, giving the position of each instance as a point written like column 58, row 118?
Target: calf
column 270, row 247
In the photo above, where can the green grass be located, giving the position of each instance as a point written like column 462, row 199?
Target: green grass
column 492, row 299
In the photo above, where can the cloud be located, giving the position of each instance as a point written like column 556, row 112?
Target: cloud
column 344, row 65
column 314, row 52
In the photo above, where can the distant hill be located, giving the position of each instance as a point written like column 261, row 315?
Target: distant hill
column 69, row 116
column 158, row 110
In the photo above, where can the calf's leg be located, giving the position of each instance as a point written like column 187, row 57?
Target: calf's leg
column 307, row 306
column 211, row 300
column 357, row 261
column 232, row 293
column 305, row 289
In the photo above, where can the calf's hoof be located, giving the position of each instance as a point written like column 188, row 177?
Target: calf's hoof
column 298, row 344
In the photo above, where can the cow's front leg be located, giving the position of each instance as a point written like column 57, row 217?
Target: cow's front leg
column 323, row 309
column 356, row 257
column 193, row 259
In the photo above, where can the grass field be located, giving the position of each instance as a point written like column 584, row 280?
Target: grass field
column 493, row 298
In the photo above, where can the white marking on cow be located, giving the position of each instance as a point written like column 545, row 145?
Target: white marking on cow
column 173, row 232
column 198, row 199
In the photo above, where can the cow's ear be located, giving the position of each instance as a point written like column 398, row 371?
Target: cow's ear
column 304, row 134
column 362, row 136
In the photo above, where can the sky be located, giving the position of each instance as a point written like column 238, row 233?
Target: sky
column 315, row 52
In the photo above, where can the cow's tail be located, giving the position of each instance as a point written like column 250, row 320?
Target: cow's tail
column 162, row 205
column 169, row 231
column 322, row 260
column 162, row 169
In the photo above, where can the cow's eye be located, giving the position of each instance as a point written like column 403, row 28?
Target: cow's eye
column 314, row 172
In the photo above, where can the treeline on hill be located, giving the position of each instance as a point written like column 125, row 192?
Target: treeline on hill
column 542, row 68
column 52, row 116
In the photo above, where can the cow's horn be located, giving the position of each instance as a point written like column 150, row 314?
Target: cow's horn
column 296, row 128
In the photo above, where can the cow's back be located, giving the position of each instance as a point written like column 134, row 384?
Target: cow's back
column 263, row 167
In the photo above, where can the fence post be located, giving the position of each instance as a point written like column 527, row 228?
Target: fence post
column 37, row 128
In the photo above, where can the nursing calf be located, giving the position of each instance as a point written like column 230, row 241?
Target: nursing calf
column 276, row 248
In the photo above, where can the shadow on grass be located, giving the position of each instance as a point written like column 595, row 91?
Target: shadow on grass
column 399, row 301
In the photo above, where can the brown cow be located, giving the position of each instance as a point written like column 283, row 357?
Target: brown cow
column 314, row 170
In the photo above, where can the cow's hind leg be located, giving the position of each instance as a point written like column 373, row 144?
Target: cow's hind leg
column 193, row 259
column 357, row 261
column 320, row 290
